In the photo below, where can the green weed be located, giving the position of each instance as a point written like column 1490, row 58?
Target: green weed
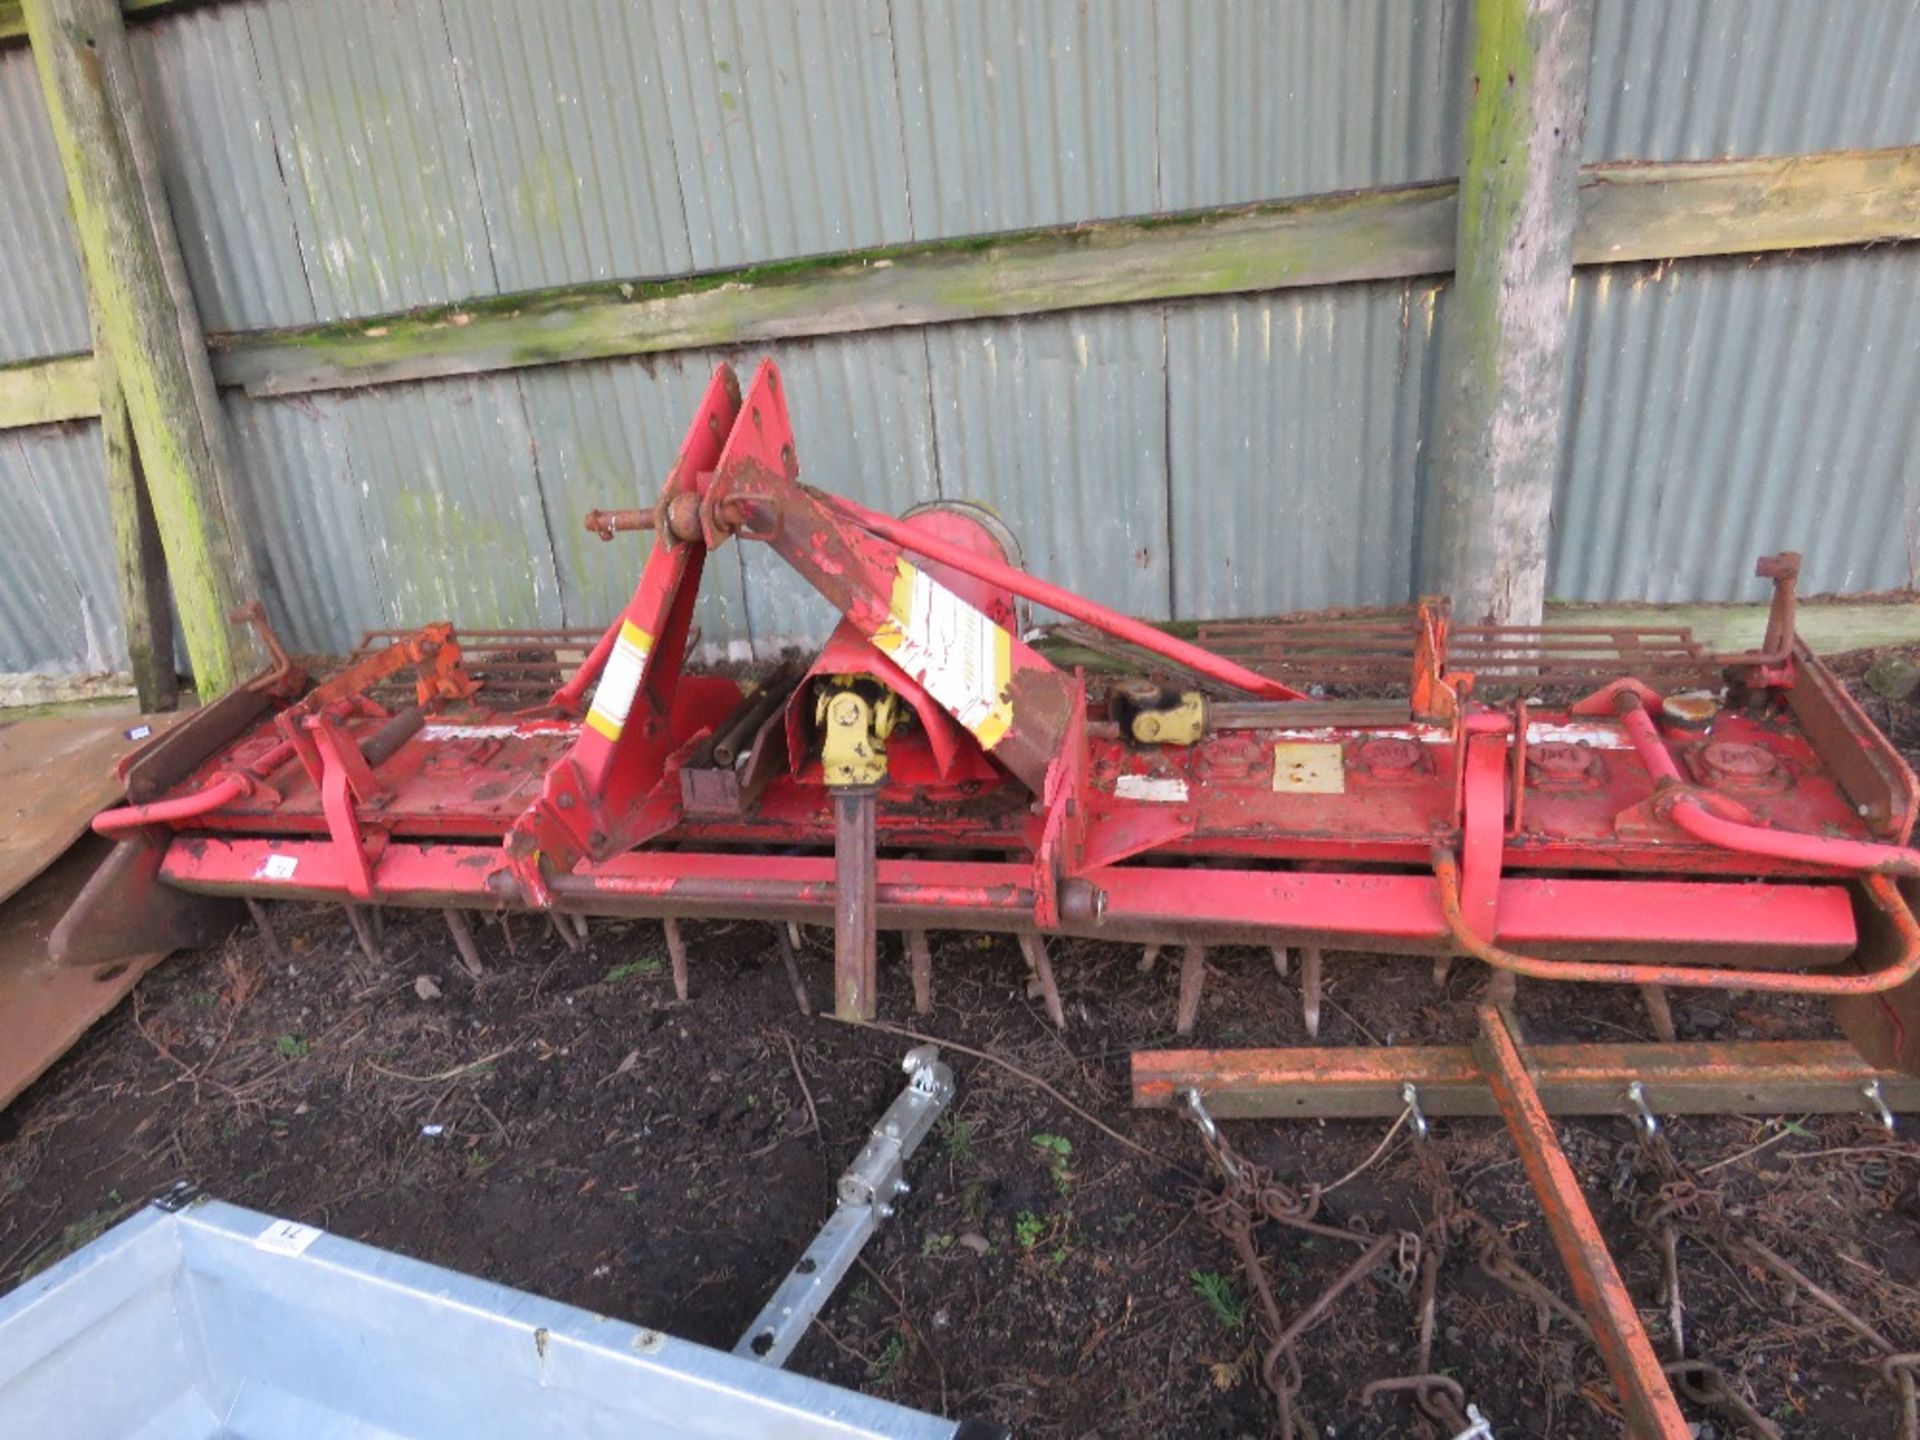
column 1227, row 1305
column 645, row 965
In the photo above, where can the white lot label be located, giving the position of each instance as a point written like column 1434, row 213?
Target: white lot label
column 287, row 1237
column 1170, row 791
column 278, row 867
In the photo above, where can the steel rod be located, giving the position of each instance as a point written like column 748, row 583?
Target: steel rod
column 1122, row 627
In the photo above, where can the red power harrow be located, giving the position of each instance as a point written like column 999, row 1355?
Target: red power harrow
column 1675, row 819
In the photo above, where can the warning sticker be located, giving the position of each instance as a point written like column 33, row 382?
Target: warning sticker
column 467, row 732
column 287, row 1237
column 620, row 681
column 957, row 652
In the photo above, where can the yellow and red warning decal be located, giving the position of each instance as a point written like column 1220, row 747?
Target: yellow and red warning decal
column 961, row 657
column 620, row 681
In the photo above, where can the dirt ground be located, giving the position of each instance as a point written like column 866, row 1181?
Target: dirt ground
column 606, row 1146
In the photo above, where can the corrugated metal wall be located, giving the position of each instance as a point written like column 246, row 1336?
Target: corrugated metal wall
column 334, row 158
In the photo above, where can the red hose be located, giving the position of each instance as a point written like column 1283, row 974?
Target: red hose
column 1123, row 627
column 1861, row 855
column 1882, row 891
column 223, row 791
column 569, row 695
column 1692, row 816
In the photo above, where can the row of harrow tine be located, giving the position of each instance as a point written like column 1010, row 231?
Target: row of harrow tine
column 1673, row 1205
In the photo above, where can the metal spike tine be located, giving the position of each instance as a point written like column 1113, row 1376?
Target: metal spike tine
column 1659, row 1013
column 257, row 909
column 462, row 933
column 791, row 961
column 1193, row 979
column 363, row 933
column 1034, row 948
column 677, row 952
column 920, row 962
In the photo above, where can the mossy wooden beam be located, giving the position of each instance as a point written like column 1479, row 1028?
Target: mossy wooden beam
column 1328, row 239
column 1630, row 212
column 87, row 79
column 1638, row 211
column 41, row 392
column 146, row 606
column 13, row 19
column 1496, row 433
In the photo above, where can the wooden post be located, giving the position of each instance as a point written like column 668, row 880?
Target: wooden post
column 145, row 605
column 136, row 277
column 1503, row 352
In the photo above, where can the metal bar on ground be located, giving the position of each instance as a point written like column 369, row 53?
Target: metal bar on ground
column 867, row 1191
column 1739, row 1077
column 1652, row 1412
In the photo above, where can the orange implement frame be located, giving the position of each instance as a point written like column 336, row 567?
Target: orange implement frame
column 1652, row 1412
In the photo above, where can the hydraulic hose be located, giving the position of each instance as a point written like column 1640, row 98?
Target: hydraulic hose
column 1690, row 813
column 222, row 790
column 1882, row 891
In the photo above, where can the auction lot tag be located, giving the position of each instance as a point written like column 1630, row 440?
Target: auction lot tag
column 287, row 1237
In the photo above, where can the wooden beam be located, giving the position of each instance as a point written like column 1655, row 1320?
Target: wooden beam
column 1636, row 211
column 1633, row 212
column 13, row 20
column 146, row 605
column 42, row 392
column 135, row 275
column 1364, row 235
column 1496, row 431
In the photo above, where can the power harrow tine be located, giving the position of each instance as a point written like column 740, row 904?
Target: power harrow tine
column 1610, row 806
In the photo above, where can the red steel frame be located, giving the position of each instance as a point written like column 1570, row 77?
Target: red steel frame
column 1762, row 852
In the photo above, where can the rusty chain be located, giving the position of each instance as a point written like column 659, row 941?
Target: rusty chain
column 1679, row 1203
column 1252, row 1197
